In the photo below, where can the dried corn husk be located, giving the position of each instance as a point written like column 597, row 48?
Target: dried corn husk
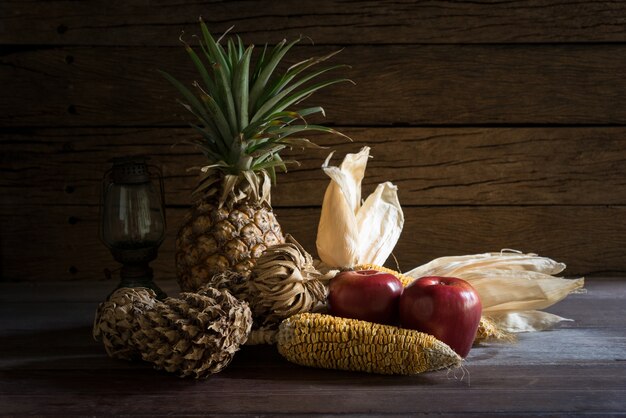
column 526, row 321
column 513, row 286
column 503, row 260
column 284, row 282
column 351, row 232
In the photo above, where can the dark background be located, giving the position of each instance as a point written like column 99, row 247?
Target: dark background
column 503, row 123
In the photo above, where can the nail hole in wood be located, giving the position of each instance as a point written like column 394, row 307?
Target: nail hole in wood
column 71, row 109
column 69, row 189
column 72, row 220
column 73, row 270
column 69, row 59
column 61, row 29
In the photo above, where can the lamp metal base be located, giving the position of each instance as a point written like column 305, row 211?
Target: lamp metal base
column 139, row 275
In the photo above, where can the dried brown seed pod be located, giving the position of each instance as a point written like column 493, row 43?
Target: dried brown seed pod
column 116, row 320
column 284, row 282
column 194, row 335
column 235, row 282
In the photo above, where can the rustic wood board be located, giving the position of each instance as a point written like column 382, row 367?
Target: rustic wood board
column 396, row 84
column 431, row 166
column 327, row 22
column 50, row 366
column 61, row 242
column 498, row 119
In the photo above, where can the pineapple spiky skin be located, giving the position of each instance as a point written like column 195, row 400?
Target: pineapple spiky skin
column 214, row 239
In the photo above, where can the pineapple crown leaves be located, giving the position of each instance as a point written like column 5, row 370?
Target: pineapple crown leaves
column 245, row 110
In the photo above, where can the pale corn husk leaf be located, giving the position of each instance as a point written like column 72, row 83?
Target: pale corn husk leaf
column 507, row 290
column 379, row 221
column 526, row 321
column 349, row 232
column 337, row 232
column 448, row 266
column 349, row 176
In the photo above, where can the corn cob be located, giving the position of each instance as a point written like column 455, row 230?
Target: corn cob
column 406, row 280
column 318, row 340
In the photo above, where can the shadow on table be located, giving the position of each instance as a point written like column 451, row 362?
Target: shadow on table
column 264, row 363
column 70, row 359
column 64, row 357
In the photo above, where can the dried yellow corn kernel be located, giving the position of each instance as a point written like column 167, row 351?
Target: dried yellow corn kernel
column 489, row 331
column 319, row 340
column 406, row 280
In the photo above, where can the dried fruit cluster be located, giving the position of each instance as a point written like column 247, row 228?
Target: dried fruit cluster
column 196, row 335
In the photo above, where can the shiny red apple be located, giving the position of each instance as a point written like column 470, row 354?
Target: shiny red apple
column 369, row 295
column 445, row 307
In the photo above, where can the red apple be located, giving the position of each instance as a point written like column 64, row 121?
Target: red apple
column 369, row 295
column 445, row 307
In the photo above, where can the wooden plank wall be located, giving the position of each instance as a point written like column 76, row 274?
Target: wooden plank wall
column 502, row 123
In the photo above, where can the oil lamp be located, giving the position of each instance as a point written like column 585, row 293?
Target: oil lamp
column 133, row 218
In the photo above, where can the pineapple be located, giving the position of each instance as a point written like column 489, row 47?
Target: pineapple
column 245, row 119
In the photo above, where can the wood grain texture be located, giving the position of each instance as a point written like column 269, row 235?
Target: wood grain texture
column 327, row 22
column 500, row 121
column 396, row 84
column 61, row 242
column 431, row 166
column 50, row 366
column 285, row 390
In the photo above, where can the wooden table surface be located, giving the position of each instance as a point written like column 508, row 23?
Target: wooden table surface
column 50, row 366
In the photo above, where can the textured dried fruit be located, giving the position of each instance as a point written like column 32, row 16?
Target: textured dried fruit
column 194, row 335
column 284, row 282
